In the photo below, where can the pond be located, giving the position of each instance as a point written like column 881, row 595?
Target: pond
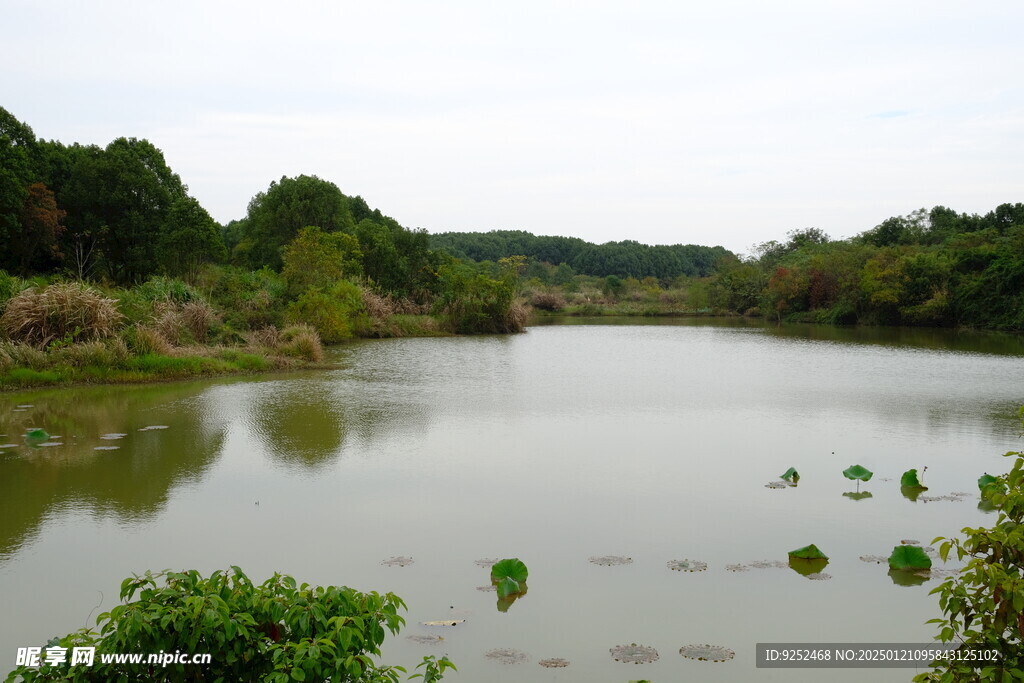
column 651, row 440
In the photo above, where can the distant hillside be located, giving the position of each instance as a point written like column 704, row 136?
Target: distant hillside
column 625, row 259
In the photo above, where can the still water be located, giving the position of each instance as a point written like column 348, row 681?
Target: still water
column 649, row 441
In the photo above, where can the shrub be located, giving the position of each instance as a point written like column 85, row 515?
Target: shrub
column 334, row 313
column 984, row 603
column 67, row 312
column 265, row 337
column 301, row 341
column 143, row 340
column 85, row 354
column 548, row 301
column 278, row 631
column 24, row 355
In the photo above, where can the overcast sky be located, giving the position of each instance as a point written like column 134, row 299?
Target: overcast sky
column 665, row 122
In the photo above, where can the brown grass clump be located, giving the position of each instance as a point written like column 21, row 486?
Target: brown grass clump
column 515, row 319
column 68, row 312
column 143, row 339
column 378, row 307
column 19, row 354
column 268, row 337
column 199, row 317
column 301, row 341
column 85, row 354
column 547, row 301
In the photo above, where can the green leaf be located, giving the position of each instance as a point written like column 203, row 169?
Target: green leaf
column 37, row 435
column 511, row 568
column 989, row 485
column 791, row 475
column 910, row 557
column 507, row 586
column 910, row 480
column 808, row 552
column 858, row 472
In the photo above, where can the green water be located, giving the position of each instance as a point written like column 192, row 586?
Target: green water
column 652, row 439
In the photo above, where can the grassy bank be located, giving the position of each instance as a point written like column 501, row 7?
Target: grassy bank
column 69, row 332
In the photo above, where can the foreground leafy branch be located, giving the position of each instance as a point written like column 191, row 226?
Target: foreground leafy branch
column 278, row 631
column 983, row 605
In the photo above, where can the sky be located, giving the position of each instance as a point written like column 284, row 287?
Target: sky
column 717, row 123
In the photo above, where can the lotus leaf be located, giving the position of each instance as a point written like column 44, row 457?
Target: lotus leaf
column 989, row 485
column 808, row 552
column 634, row 654
column 858, row 472
column 554, row 663
column 507, row 586
column 507, row 655
column 910, row 480
column 806, row 567
column 910, row 557
column 37, row 435
column 791, row 475
column 512, row 568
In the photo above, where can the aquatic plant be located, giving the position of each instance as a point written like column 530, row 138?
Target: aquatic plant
column 634, row 654
column 509, row 578
column 791, row 475
column 910, row 480
column 808, row 552
column 989, row 486
column 857, row 472
column 611, row 560
column 398, row 561
column 909, row 557
column 707, row 653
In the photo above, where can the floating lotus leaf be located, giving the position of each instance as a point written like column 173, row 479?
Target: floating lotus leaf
column 819, row 576
column 25, row 405
column 425, row 640
column 791, row 475
column 50, row 443
column 989, row 485
column 858, row 495
column 611, row 560
column 554, row 663
column 778, row 485
column 948, row 497
column 808, row 552
column 487, row 589
column 507, row 655
column 910, row 557
column 807, row 567
column 507, row 586
column 910, row 480
column 707, row 653
column 152, row 427
column 444, row 622
column 857, row 472
column 487, row 562
column 106, row 448
column 909, row 541
column 634, row 654
column 36, row 435
column 398, row 561
column 687, row 565
column 512, row 568
column 113, row 436
column 8, row 445
column 937, row 573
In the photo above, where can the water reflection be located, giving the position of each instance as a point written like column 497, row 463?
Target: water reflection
column 906, row 578
column 858, row 495
column 131, row 483
column 298, row 423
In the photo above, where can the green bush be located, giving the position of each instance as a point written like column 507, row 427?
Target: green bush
column 983, row 605
column 276, row 632
column 334, row 313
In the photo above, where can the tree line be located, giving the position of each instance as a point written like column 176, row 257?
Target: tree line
column 622, row 259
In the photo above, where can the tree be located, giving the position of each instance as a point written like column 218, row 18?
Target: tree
column 190, row 239
column 318, row 259
column 17, row 154
column 276, row 216
column 984, row 603
column 279, row 631
column 41, row 224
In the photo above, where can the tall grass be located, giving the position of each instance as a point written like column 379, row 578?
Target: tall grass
column 66, row 312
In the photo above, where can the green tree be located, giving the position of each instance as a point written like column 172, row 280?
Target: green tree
column 190, row 239
column 983, row 605
column 276, row 632
column 17, row 154
column 318, row 259
column 276, row 216
column 41, row 224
